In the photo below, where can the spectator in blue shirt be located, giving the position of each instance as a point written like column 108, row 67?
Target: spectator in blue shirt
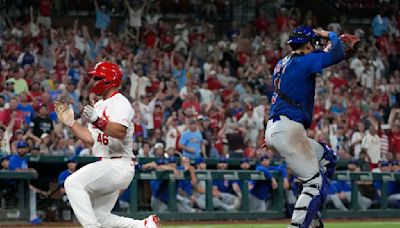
column 74, row 93
column 71, row 168
column 262, row 189
column 383, row 168
column 335, row 196
column 18, row 162
column 380, row 25
column 71, row 164
column 199, row 190
column 74, row 74
column 191, row 141
column 25, row 107
column 179, row 72
column 5, row 160
column 159, row 188
column 102, row 18
column 393, row 187
column 228, row 191
column 344, row 190
column 185, row 187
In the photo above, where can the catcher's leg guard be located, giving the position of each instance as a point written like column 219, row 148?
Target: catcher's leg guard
column 310, row 201
column 328, row 161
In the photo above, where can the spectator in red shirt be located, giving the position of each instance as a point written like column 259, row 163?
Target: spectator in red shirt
column 45, row 13
column 282, row 20
column 262, row 23
column 158, row 116
column 228, row 93
column 394, row 139
column 5, row 115
column 213, row 82
column 150, row 36
column 191, row 104
column 35, row 94
column 338, row 81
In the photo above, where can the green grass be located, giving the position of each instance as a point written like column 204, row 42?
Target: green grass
column 369, row 224
column 327, row 225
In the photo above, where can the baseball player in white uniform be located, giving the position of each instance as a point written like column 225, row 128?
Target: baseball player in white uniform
column 93, row 190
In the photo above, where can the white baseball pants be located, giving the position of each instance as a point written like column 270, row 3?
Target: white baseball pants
column 302, row 155
column 93, row 191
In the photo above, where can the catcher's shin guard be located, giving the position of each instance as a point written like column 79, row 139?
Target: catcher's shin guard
column 310, row 201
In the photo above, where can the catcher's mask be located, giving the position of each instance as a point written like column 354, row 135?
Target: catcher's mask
column 106, row 75
column 302, row 35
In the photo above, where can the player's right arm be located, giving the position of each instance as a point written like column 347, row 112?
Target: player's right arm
column 65, row 115
column 82, row 133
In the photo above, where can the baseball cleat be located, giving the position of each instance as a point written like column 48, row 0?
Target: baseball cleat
column 153, row 221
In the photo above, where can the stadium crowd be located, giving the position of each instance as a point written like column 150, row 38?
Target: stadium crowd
column 196, row 91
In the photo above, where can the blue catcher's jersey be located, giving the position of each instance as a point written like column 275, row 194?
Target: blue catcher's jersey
column 294, row 76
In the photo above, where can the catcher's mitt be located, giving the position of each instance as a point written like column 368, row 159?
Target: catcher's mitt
column 350, row 44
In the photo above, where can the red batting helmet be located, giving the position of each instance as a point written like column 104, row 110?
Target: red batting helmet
column 106, row 75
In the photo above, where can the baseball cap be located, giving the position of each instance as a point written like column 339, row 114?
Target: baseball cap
column 222, row 160
column 44, row 135
column 199, row 161
column 36, row 147
column 158, row 145
column 22, row 144
column 384, row 163
column 244, row 160
column 71, row 159
column 5, row 157
column 19, row 131
column 385, row 127
column 395, row 162
column 352, row 162
column 263, row 158
column 172, row 159
column 10, row 82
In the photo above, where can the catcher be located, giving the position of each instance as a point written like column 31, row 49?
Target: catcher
column 291, row 113
column 94, row 189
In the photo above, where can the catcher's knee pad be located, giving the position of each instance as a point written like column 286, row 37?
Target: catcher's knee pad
column 328, row 161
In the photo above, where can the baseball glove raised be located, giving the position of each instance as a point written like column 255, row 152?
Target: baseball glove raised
column 350, row 44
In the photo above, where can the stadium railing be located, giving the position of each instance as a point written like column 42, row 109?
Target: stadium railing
column 46, row 163
column 208, row 176
column 19, row 184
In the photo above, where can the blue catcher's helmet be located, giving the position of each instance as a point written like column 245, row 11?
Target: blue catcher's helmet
column 301, row 35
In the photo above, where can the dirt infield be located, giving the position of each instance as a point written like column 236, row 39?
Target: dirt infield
column 169, row 223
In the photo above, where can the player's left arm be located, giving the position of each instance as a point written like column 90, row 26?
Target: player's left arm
column 322, row 59
column 115, row 130
column 115, row 126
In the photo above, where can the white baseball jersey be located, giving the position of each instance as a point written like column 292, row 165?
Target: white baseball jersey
column 115, row 109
